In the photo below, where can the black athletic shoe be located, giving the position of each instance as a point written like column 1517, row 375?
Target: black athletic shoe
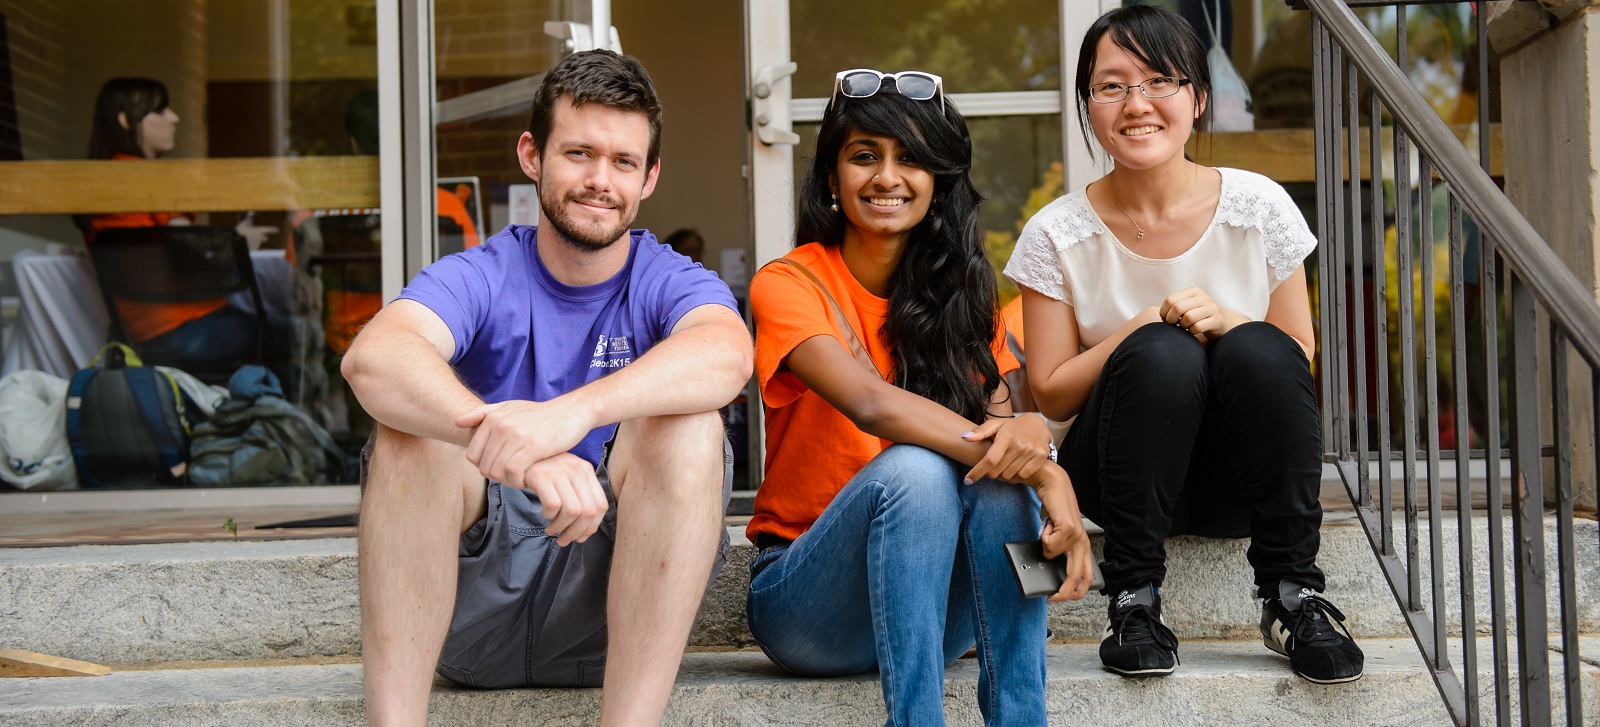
column 1301, row 625
column 1137, row 643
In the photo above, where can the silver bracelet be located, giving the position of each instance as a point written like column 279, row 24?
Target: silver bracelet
column 1047, row 423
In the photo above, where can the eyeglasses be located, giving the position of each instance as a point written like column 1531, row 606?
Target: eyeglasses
column 865, row 82
column 1158, row 87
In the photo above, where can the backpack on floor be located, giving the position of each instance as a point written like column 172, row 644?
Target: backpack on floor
column 257, row 438
column 127, row 423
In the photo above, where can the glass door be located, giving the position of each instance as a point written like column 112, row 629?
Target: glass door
column 489, row 58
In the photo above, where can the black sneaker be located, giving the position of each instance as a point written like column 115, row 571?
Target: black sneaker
column 1137, row 643
column 1301, row 625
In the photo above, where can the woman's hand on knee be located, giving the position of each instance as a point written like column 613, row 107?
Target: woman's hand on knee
column 1193, row 310
column 1018, row 447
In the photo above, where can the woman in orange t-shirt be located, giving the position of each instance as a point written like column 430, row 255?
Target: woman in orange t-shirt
column 872, row 552
column 134, row 121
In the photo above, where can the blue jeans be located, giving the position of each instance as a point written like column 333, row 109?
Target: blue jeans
column 216, row 344
column 224, row 336
column 905, row 569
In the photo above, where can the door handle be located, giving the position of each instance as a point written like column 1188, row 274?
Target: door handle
column 578, row 37
column 767, row 130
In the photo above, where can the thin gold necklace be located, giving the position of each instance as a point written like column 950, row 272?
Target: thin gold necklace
column 1181, row 200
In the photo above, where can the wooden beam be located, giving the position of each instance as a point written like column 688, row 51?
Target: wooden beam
column 1287, row 155
column 188, row 185
column 19, row 663
column 272, row 183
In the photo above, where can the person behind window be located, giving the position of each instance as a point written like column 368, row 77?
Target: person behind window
column 133, row 120
column 688, row 242
column 1167, row 310
column 347, row 310
column 894, row 478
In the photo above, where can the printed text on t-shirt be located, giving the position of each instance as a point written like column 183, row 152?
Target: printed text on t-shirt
column 611, row 353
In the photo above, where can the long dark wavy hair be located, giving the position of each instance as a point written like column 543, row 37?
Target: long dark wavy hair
column 942, row 295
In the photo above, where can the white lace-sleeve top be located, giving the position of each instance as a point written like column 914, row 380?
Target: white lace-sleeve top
column 1256, row 240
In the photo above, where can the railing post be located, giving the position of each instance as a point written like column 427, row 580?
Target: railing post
column 1403, row 241
column 1566, row 554
column 1464, row 504
column 1362, row 495
column 1380, row 343
column 1527, row 509
column 1325, row 294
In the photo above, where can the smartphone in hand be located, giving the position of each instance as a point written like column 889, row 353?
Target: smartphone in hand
column 1040, row 576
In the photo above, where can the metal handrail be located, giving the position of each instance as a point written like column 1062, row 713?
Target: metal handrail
column 1550, row 281
column 1346, row 59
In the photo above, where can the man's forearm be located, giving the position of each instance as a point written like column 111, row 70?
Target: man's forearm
column 694, row 370
column 404, row 384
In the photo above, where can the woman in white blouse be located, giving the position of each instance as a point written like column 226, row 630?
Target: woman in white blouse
column 1166, row 309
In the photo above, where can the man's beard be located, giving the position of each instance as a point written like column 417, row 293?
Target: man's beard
column 585, row 238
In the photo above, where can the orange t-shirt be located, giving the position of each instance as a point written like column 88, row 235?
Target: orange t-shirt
column 812, row 449
column 148, row 320
column 1011, row 318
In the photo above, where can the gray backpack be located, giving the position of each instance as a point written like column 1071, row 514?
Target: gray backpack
column 257, row 438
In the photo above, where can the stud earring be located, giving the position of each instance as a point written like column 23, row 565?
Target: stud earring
column 835, row 205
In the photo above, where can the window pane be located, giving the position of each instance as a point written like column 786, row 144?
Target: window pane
column 493, row 47
column 996, row 45
column 242, row 168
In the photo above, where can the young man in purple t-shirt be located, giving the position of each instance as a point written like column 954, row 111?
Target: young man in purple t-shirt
column 542, row 499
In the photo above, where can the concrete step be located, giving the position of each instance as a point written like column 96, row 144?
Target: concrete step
column 290, row 599
column 1217, row 683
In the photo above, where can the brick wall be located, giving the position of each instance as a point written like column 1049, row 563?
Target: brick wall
column 38, row 37
column 499, row 38
column 479, row 44
column 486, row 148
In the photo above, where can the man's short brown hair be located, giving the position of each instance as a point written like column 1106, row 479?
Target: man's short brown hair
column 602, row 77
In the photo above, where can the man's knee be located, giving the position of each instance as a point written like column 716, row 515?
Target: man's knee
column 408, row 470
column 675, row 452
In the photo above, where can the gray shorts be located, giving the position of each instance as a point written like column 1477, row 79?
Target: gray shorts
column 529, row 613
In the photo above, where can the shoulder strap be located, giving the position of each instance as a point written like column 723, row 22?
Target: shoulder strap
column 851, row 339
column 147, row 395
column 75, row 389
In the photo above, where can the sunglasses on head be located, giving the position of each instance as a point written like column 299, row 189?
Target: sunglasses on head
column 865, row 82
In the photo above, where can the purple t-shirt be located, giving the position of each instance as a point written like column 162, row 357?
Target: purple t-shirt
column 522, row 334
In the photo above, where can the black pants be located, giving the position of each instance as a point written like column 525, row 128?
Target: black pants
column 1220, row 441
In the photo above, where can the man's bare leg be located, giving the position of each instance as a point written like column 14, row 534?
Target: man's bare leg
column 667, row 476
column 420, row 495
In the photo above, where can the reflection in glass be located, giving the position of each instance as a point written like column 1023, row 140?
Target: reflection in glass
column 498, row 47
column 221, row 135
column 479, row 44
